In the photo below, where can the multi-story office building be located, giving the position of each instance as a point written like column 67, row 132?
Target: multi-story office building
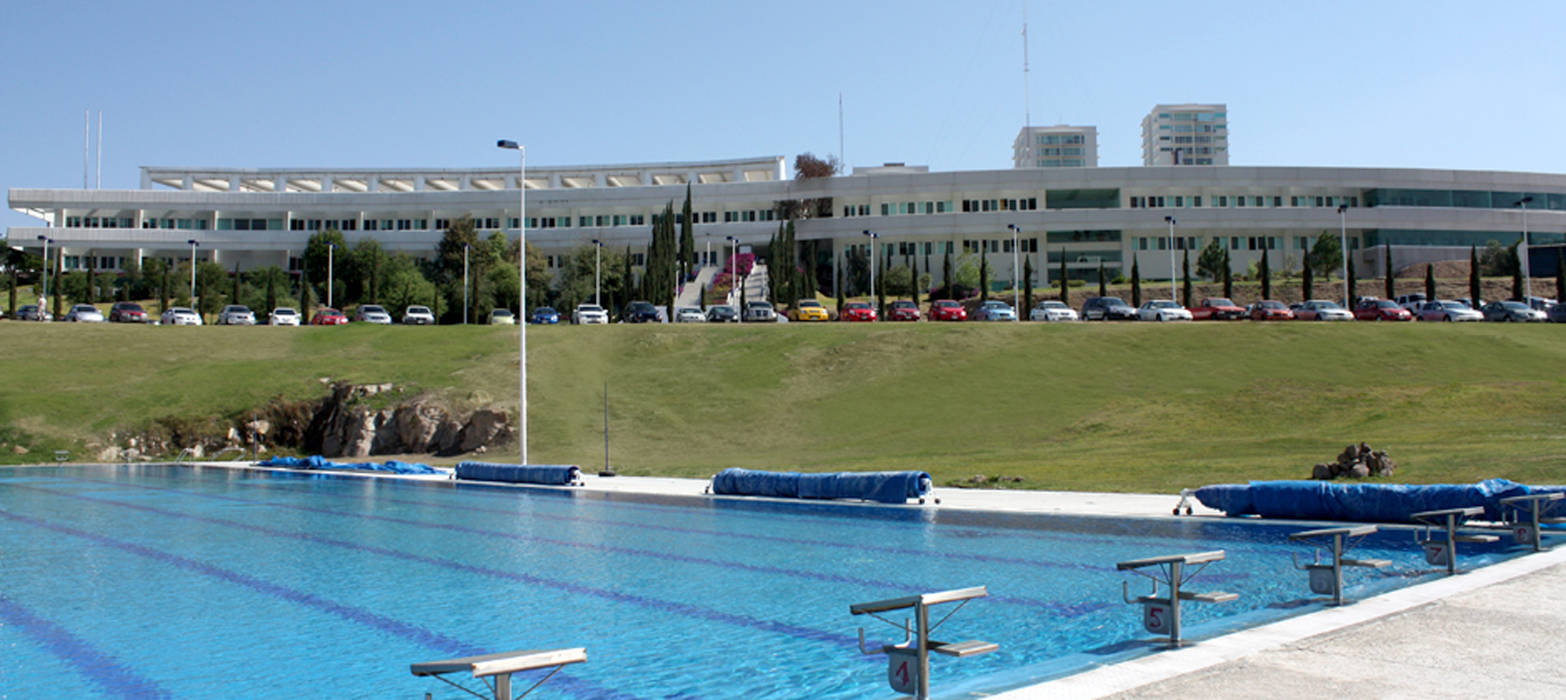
column 1188, row 134
column 1055, row 147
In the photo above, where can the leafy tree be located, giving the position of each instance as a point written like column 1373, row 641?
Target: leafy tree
column 898, row 281
column 1326, row 255
column 1386, row 254
column 1228, row 276
column 1473, row 275
column 1495, row 261
column 305, row 297
column 234, row 296
column 210, row 277
column 1265, row 271
column 158, row 270
column 1027, row 281
column 316, row 254
column 365, row 271
column 1307, row 283
column 1213, row 260
column 1136, row 282
column 576, row 280
column 1185, row 277
column 966, row 277
column 1430, row 285
column 807, row 167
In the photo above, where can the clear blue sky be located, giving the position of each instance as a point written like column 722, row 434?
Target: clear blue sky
column 352, row 84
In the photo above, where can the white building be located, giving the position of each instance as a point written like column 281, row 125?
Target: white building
column 1188, row 134
column 1057, row 146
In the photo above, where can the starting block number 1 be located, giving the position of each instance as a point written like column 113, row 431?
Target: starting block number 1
column 899, row 671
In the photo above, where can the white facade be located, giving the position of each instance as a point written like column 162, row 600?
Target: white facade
column 1057, row 146
column 1186, row 134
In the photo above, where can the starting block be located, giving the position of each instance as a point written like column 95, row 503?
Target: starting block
column 1161, row 614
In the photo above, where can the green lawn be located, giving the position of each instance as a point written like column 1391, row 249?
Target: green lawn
column 1121, row 407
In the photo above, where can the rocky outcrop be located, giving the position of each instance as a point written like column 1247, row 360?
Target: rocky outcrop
column 1357, row 462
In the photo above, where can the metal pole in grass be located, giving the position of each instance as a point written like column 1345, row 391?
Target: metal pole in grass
column 331, row 249
column 598, row 247
column 872, row 236
column 522, row 293
column 1523, row 256
column 607, row 470
column 1171, row 221
column 1343, row 235
column 193, row 245
column 465, row 248
column 45, row 298
column 1016, row 291
column 739, row 311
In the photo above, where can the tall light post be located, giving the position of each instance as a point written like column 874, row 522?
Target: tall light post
column 873, row 235
column 330, row 248
column 521, row 290
column 739, row 304
column 45, row 298
column 1343, row 237
column 1171, row 221
column 193, row 245
column 1016, row 291
column 1523, row 252
column 598, row 247
column 707, row 260
column 465, row 248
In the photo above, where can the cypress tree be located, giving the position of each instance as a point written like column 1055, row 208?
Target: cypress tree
column 1228, row 276
column 984, row 277
column 1136, row 282
column 1103, row 291
column 1027, row 282
column 163, row 288
column 92, row 278
column 687, row 237
column 794, row 287
column 914, row 285
column 271, row 295
column 234, row 299
column 839, row 287
column 1065, row 286
column 701, row 298
column 1430, row 287
column 1560, row 275
column 880, row 290
column 56, row 288
column 1473, row 275
column 774, row 276
column 1185, row 279
column 627, row 280
column 1353, row 286
column 1265, row 272
column 1307, row 283
column 1517, row 280
column 304, row 294
column 946, row 275
column 1386, row 254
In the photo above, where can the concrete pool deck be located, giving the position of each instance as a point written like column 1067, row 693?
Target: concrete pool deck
column 1481, row 633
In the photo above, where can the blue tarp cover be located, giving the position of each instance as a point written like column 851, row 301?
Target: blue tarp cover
column 554, row 474
column 1359, row 502
column 884, row 487
column 319, row 462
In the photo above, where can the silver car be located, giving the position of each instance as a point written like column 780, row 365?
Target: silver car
column 179, row 316
column 760, row 311
column 689, row 314
column 1447, row 311
column 418, row 316
column 1162, row 310
column 236, row 315
column 1052, row 311
column 283, row 316
column 371, row 313
column 1513, row 311
column 84, row 313
column 589, row 313
column 33, row 312
column 1323, row 310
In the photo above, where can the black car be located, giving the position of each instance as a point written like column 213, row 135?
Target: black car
column 639, row 312
column 722, row 314
column 1107, row 309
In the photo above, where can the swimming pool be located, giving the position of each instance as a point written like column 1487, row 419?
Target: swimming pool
column 205, row 582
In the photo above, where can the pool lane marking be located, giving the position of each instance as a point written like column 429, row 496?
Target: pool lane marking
column 105, row 671
column 1062, row 609
column 414, row 633
column 686, row 609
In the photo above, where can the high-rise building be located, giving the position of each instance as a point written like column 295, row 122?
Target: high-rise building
column 1188, row 134
column 1058, row 146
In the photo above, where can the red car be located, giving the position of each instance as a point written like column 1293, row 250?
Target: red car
column 127, row 312
column 904, row 310
column 858, row 311
column 947, row 310
column 1271, row 311
column 329, row 317
column 1217, row 309
column 1380, row 310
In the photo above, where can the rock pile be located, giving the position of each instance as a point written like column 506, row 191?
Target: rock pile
column 1356, row 461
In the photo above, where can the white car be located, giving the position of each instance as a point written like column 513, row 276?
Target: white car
column 760, row 311
column 689, row 314
column 418, row 316
column 1323, row 310
column 235, row 315
column 502, row 317
column 84, row 313
column 370, row 313
column 589, row 313
column 1442, row 310
column 1052, row 311
column 179, row 316
column 1162, row 310
column 283, row 316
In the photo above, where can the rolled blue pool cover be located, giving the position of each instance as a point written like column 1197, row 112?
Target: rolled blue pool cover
column 882, row 487
column 548, row 474
column 319, row 462
column 1359, row 502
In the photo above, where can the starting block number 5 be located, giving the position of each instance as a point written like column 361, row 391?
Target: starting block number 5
column 1155, row 617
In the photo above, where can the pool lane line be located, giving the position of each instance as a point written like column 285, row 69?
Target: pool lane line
column 98, row 666
column 1061, row 609
column 407, row 631
column 686, row 609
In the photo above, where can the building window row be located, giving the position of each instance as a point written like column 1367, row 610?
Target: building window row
column 1181, row 201
column 984, row 205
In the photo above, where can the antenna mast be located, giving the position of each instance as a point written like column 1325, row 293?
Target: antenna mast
column 1027, row 100
column 840, row 162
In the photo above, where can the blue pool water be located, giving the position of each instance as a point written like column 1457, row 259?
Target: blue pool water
column 189, row 582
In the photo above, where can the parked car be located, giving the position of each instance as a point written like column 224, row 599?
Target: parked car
column 84, row 313
column 994, row 311
column 235, row 315
column 1107, row 309
column 1448, row 310
column 760, row 311
column 544, row 316
column 180, row 316
column 127, row 312
column 947, row 310
column 808, row 310
column 858, row 311
column 1556, row 314
column 1513, row 311
column 283, row 316
column 1269, row 310
column 589, row 313
column 371, row 313
column 418, row 316
column 639, row 312
column 1541, row 303
column 904, row 310
column 1412, row 302
column 1217, row 309
column 1051, row 310
column 689, row 314
column 329, row 317
column 1162, row 310
column 1372, row 309
column 722, row 313
column 502, row 317
column 1465, row 301
column 32, row 312
column 1322, row 310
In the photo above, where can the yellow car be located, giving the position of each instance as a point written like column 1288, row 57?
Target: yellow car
column 808, row 310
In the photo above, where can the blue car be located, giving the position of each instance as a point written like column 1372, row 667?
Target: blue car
column 544, row 314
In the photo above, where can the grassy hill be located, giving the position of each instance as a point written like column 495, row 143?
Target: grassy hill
column 1085, row 406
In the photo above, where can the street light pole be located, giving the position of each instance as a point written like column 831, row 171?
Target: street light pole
column 1171, row 221
column 1343, row 236
column 1523, row 256
column 1016, row 291
column 522, row 290
column 598, row 247
column 872, row 236
column 193, row 245
column 739, row 310
column 465, row 304
column 42, row 301
column 330, row 249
